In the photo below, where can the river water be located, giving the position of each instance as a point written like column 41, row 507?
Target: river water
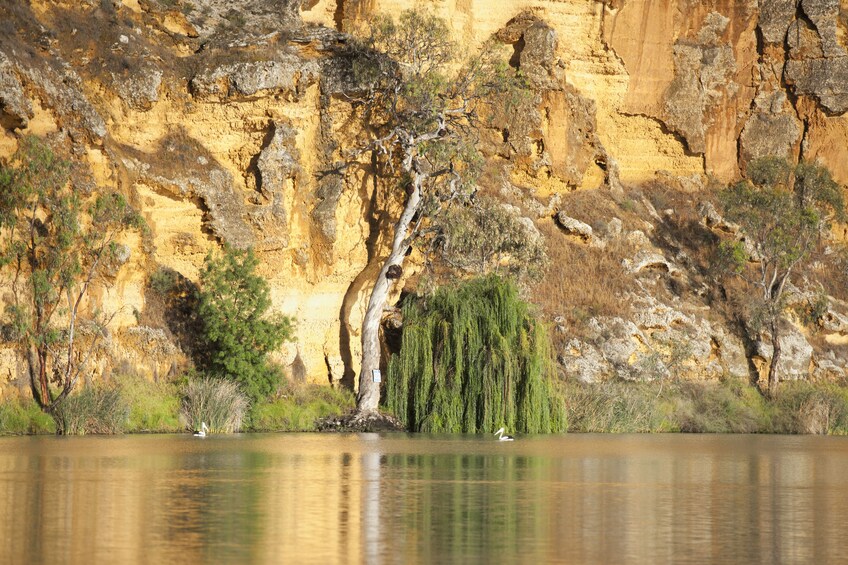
column 367, row 498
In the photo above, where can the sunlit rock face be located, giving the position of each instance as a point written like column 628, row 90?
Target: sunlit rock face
column 220, row 120
column 673, row 84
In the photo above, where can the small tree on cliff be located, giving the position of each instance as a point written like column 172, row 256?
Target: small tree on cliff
column 782, row 211
column 236, row 332
column 421, row 114
column 55, row 245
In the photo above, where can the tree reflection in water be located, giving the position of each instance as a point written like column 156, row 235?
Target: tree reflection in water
column 313, row 498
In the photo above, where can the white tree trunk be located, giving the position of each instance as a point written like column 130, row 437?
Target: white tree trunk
column 368, row 398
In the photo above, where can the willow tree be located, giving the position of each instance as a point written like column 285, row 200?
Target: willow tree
column 55, row 245
column 782, row 211
column 473, row 359
column 420, row 109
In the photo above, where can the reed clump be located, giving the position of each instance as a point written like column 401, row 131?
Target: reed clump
column 96, row 409
column 727, row 406
column 614, row 407
column 805, row 408
column 217, row 402
column 472, row 359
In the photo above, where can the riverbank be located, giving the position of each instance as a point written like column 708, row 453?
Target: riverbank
column 135, row 405
column 729, row 406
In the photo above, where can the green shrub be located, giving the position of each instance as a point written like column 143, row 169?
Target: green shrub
column 19, row 416
column 219, row 403
column 153, row 407
column 473, row 359
column 97, row 409
column 300, row 408
column 237, row 334
column 486, row 237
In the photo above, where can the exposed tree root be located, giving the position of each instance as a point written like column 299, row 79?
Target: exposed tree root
column 361, row 422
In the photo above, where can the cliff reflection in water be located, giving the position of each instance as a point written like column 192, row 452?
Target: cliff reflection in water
column 309, row 498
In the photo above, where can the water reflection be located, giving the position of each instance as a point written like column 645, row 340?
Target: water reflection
column 398, row 499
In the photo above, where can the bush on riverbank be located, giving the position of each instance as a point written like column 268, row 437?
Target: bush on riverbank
column 614, row 407
column 300, row 408
column 154, row 406
column 729, row 406
column 804, row 408
column 98, row 409
column 23, row 416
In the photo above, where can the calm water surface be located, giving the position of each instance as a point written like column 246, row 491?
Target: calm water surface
column 313, row 498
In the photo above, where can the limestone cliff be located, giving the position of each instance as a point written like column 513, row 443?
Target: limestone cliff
column 218, row 118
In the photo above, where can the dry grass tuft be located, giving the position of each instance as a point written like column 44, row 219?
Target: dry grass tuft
column 582, row 281
column 831, row 271
column 596, row 207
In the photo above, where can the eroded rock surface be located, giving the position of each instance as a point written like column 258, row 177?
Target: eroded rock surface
column 15, row 106
column 224, row 122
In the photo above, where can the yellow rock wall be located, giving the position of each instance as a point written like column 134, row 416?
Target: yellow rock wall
column 590, row 36
column 624, row 58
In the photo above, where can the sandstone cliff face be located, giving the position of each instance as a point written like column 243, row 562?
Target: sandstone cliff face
column 220, row 118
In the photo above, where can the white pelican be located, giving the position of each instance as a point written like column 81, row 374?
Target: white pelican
column 203, row 429
column 502, row 437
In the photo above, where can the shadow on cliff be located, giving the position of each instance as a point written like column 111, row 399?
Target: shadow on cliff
column 171, row 303
column 683, row 234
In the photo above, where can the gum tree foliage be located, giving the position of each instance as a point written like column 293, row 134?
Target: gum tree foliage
column 486, row 237
column 420, row 109
column 55, row 245
column 782, row 212
column 237, row 334
column 473, row 359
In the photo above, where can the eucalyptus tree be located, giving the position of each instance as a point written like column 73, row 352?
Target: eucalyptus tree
column 782, row 212
column 56, row 243
column 421, row 111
